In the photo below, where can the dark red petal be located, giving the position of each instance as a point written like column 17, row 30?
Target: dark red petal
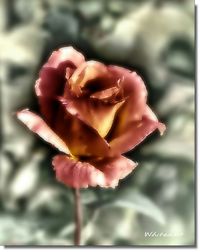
column 47, row 87
column 52, row 80
column 37, row 125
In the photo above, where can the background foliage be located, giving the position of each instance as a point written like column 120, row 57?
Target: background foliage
column 156, row 38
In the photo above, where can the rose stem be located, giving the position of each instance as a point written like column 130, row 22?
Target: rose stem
column 78, row 217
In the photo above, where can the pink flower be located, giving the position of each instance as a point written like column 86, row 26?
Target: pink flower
column 92, row 113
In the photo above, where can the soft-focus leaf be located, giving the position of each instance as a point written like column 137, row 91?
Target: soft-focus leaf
column 142, row 204
column 136, row 201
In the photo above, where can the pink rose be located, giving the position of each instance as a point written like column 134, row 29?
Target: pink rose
column 92, row 113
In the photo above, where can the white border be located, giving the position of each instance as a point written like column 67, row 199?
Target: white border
column 197, row 4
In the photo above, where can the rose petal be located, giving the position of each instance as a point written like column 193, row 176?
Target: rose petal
column 55, row 69
column 78, row 174
column 65, row 54
column 81, row 139
column 47, row 87
column 110, row 95
column 115, row 168
column 150, row 115
column 135, row 94
column 96, row 114
column 51, row 81
column 37, row 125
column 136, row 132
column 88, row 71
column 124, row 136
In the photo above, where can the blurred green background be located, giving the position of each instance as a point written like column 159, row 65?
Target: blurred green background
column 156, row 38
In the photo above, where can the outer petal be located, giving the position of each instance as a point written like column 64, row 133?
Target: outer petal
column 52, row 80
column 81, row 174
column 76, row 174
column 115, row 168
column 136, row 132
column 96, row 114
column 135, row 93
column 37, row 125
column 52, row 75
column 65, row 54
column 47, row 87
column 151, row 116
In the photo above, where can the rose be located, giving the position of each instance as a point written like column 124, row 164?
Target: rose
column 92, row 113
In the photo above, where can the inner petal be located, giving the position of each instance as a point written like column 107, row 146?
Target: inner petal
column 96, row 114
column 83, row 77
column 110, row 95
column 81, row 139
